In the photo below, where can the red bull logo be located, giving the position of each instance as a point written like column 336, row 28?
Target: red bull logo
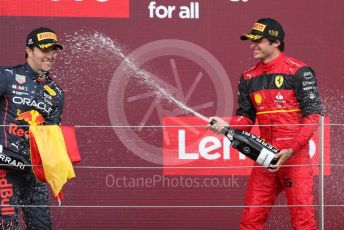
column 32, row 117
column 6, row 193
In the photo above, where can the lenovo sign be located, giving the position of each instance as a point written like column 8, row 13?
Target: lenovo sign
column 66, row 8
column 192, row 150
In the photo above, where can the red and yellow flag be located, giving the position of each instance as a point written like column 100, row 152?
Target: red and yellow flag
column 53, row 149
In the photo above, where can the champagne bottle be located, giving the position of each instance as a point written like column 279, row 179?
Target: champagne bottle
column 251, row 145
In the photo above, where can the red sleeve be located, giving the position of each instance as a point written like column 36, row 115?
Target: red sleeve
column 70, row 139
column 309, row 126
column 241, row 123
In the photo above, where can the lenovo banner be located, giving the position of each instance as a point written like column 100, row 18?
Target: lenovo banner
column 191, row 149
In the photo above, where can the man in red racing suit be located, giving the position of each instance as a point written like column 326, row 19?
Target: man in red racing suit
column 281, row 93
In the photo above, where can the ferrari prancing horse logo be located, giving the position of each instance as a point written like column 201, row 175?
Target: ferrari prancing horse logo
column 279, row 81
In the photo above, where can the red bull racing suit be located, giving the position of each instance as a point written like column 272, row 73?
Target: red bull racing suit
column 283, row 97
column 26, row 98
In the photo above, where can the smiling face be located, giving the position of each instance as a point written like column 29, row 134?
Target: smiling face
column 265, row 50
column 41, row 60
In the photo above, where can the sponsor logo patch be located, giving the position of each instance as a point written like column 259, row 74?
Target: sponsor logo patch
column 259, row 26
column 279, row 96
column 50, row 90
column 273, row 33
column 20, row 78
column 31, row 103
column 46, row 35
column 32, row 117
column 6, row 192
column 258, row 98
column 279, row 81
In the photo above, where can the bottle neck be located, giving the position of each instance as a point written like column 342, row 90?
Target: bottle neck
column 228, row 132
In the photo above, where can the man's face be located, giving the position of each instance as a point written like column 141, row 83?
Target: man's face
column 263, row 49
column 41, row 60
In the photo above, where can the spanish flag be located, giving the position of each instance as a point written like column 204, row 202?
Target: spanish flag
column 53, row 148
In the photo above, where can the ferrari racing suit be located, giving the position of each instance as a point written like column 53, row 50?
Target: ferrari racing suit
column 282, row 95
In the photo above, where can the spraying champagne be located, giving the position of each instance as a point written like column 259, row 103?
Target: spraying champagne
column 251, row 145
column 247, row 143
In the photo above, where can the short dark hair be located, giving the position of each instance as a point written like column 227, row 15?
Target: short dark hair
column 26, row 56
column 281, row 46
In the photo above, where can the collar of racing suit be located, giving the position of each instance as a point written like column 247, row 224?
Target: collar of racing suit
column 266, row 67
column 34, row 75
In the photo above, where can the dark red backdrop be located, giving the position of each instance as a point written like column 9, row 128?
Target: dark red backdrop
column 313, row 34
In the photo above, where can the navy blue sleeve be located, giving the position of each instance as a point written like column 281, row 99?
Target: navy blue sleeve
column 3, row 81
column 307, row 93
column 55, row 116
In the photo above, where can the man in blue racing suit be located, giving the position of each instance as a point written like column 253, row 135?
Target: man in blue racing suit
column 28, row 96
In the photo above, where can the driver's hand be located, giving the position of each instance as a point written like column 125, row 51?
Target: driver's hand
column 283, row 156
column 218, row 126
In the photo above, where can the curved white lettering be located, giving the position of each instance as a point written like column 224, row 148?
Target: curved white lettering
column 31, row 103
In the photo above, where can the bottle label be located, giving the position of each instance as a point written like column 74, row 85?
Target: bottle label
column 265, row 157
column 260, row 141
